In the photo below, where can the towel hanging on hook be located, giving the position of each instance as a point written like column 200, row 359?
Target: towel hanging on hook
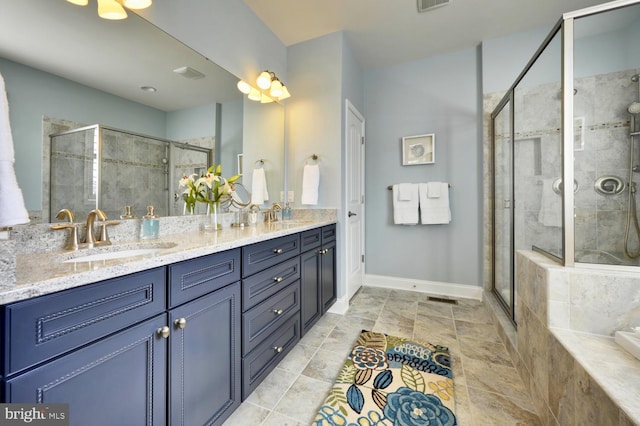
column 258, row 164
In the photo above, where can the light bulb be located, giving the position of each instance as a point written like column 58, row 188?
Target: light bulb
column 276, row 89
column 255, row 95
column 137, row 4
column 265, row 99
column 111, row 9
column 264, row 80
column 244, row 87
column 79, row 2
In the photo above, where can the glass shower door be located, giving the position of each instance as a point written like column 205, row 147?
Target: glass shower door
column 502, row 208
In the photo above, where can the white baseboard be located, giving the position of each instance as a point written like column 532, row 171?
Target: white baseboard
column 340, row 307
column 432, row 287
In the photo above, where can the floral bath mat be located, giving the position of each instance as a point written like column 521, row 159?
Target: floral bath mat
column 389, row 380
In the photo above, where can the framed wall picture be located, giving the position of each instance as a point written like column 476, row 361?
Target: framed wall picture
column 420, row 149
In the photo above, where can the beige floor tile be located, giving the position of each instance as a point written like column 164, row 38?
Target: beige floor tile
column 325, row 366
column 303, row 400
column 490, row 408
column 247, row 414
column 478, row 331
column 435, row 309
column 489, row 352
column 495, row 378
column 477, row 314
column 298, row 358
column 277, row 419
column 269, row 392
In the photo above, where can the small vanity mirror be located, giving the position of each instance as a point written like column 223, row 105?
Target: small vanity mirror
column 125, row 75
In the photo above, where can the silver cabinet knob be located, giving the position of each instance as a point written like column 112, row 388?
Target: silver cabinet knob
column 277, row 251
column 181, row 323
column 277, row 349
column 278, row 311
column 277, row 279
column 163, row 332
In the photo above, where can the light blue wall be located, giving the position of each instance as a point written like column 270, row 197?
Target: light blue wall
column 33, row 94
column 314, row 115
column 434, row 95
column 192, row 123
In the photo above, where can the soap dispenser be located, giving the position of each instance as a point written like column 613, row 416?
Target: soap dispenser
column 150, row 225
column 286, row 212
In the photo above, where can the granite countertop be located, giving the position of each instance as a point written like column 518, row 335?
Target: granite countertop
column 43, row 273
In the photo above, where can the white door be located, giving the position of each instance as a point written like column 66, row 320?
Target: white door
column 354, row 160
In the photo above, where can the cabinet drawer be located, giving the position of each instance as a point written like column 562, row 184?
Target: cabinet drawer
column 263, row 319
column 46, row 326
column 328, row 233
column 268, row 354
column 264, row 284
column 195, row 277
column 310, row 239
column 260, row 256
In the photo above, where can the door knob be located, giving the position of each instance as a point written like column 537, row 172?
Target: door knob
column 352, row 214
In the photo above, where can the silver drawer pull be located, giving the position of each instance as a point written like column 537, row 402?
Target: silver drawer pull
column 163, row 332
column 180, row 323
column 277, row 349
column 277, row 251
column 278, row 311
column 277, row 279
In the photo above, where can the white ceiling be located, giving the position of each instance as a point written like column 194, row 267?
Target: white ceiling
column 388, row 32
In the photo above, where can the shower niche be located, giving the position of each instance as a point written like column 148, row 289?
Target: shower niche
column 101, row 167
column 572, row 115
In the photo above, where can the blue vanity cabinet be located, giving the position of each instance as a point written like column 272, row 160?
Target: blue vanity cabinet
column 119, row 380
column 318, row 274
column 205, row 359
column 328, row 267
column 270, row 306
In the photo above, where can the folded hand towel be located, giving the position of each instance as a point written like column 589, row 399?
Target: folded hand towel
column 433, row 189
column 550, row 205
column 259, row 193
column 310, row 184
column 434, row 210
column 406, row 191
column 405, row 212
column 12, row 209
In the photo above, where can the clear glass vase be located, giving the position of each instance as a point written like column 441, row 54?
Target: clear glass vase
column 189, row 209
column 212, row 221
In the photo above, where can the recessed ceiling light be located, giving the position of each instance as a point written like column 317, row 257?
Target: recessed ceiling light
column 148, row 88
column 188, row 72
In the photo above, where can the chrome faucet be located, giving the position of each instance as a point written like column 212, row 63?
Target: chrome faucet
column 73, row 242
column 89, row 236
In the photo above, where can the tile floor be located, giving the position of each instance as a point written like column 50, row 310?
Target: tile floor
column 488, row 389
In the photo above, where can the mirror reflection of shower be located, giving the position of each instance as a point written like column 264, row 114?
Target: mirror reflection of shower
column 632, row 214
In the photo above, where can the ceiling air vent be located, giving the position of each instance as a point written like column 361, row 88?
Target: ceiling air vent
column 424, row 5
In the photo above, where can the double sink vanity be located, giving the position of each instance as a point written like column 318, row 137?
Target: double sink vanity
column 175, row 331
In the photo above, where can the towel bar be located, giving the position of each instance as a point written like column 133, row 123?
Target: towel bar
column 390, row 187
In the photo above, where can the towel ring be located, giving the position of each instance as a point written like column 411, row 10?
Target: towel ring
column 258, row 163
column 313, row 157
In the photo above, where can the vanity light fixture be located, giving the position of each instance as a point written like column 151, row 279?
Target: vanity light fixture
column 112, row 9
column 274, row 89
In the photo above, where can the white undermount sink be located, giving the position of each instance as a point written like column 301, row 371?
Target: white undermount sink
column 113, row 252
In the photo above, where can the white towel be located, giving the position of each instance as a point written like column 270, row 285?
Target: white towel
column 259, row 193
column 12, row 209
column 434, row 210
column 550, row 205
column 405, row 212
column 433, row 189
column 406, row 191
column 310, row 184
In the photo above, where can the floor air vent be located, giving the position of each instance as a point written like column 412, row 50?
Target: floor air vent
column 442, row 300
column 424, row 5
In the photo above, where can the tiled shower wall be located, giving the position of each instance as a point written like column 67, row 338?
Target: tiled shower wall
column 601, row 148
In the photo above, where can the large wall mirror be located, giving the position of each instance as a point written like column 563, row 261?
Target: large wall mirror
column 65, row 68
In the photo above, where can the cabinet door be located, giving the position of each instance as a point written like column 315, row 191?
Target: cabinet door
column 120, row 380
column 310, row 307
column 204, row 358
column 328, row 275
